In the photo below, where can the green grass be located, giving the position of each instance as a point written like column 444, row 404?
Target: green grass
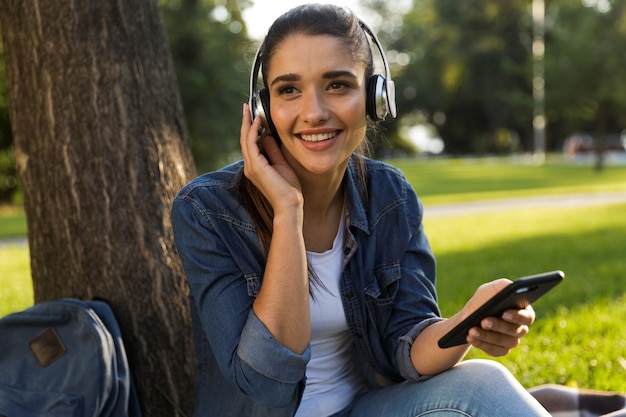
column 579, row 346
column 464, row 180
column 587, row 243
column 12, row 222
column 579, row 334
column 16, row 290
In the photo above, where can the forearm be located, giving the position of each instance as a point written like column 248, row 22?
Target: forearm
column 283, row 301
column 495, row 336
column 426, row 355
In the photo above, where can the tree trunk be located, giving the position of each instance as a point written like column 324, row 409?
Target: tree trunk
column 598, row 140
column 101, row 149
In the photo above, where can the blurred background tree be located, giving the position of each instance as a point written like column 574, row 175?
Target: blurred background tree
column 584, row 63
column 211, row 50
column 463, row 70
column 8, row 171
column 468, row 73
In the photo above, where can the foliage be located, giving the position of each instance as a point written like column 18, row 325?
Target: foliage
column 462, row 67
column 9, row 184
column 466, row 68
column 584, row 67
column 210, row 48
column 469, row 72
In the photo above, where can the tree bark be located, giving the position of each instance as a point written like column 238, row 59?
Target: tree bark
column 101, row 149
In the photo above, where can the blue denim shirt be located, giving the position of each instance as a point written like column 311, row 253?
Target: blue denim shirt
column 387, row 290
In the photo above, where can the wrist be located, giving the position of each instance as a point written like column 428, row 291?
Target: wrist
column 291, row 217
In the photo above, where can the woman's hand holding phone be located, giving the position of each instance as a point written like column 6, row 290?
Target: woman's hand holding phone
column 496, row 336
column 499, row 313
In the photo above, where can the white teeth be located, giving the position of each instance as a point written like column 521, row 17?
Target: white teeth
column 319, row 137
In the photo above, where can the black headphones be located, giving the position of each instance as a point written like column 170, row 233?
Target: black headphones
column 380, row 100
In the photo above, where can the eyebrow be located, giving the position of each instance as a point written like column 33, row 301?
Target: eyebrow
column 329, row 75
column 285, row 78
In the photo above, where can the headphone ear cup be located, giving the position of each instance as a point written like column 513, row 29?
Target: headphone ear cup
column 374, row 104
column 263, row 103
column 258, row 108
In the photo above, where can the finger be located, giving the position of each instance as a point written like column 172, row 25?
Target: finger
column 246, row 121
column 249, row 135
column 247, row 115
column 272, row 150
column 245, row 127
column 490, row 349
column 499, row 326
column 493, row 343
column 524, row 316
column 248, row 125
column 484, row 292
column 491, row 288
column 499, row 284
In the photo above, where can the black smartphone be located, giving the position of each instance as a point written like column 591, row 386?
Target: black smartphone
column 517, row 295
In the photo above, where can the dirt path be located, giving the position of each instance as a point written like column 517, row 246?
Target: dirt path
column 569, row 200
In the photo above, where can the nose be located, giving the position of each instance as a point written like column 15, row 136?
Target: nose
column 314, row 107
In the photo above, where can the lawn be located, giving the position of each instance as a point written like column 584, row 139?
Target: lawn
column 471, row 179
column 12, row 222
column 579, row 336
column 16, row 290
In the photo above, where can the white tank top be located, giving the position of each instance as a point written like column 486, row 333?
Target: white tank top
column 332, row 379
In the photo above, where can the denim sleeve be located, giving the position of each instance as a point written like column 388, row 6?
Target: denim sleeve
column 247, row 354
column 416, row 298
column 403, row 352
column 265, row 355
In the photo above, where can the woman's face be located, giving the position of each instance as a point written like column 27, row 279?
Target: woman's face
column 317, row 103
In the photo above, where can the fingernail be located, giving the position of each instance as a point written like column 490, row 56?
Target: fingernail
column 488, row 324
column 507, row 316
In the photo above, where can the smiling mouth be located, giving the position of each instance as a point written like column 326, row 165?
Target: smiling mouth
column 318, row 137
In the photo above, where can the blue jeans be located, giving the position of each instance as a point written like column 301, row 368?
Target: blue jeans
column 475, row 388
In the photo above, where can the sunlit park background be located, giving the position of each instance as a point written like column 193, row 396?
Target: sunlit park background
column 497, row 100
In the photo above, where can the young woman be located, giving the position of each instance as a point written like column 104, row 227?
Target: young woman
column 312, row 284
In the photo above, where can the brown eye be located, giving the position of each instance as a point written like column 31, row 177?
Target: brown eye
column 287, row 90
column 337, row 85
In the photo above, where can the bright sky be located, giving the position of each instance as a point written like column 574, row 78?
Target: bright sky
column 260, row 16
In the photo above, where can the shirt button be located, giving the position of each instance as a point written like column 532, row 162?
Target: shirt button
column 349, row 294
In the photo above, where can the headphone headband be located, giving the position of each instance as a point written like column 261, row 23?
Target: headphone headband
column 255, row 105
column 390, row 88
column 381, row 100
